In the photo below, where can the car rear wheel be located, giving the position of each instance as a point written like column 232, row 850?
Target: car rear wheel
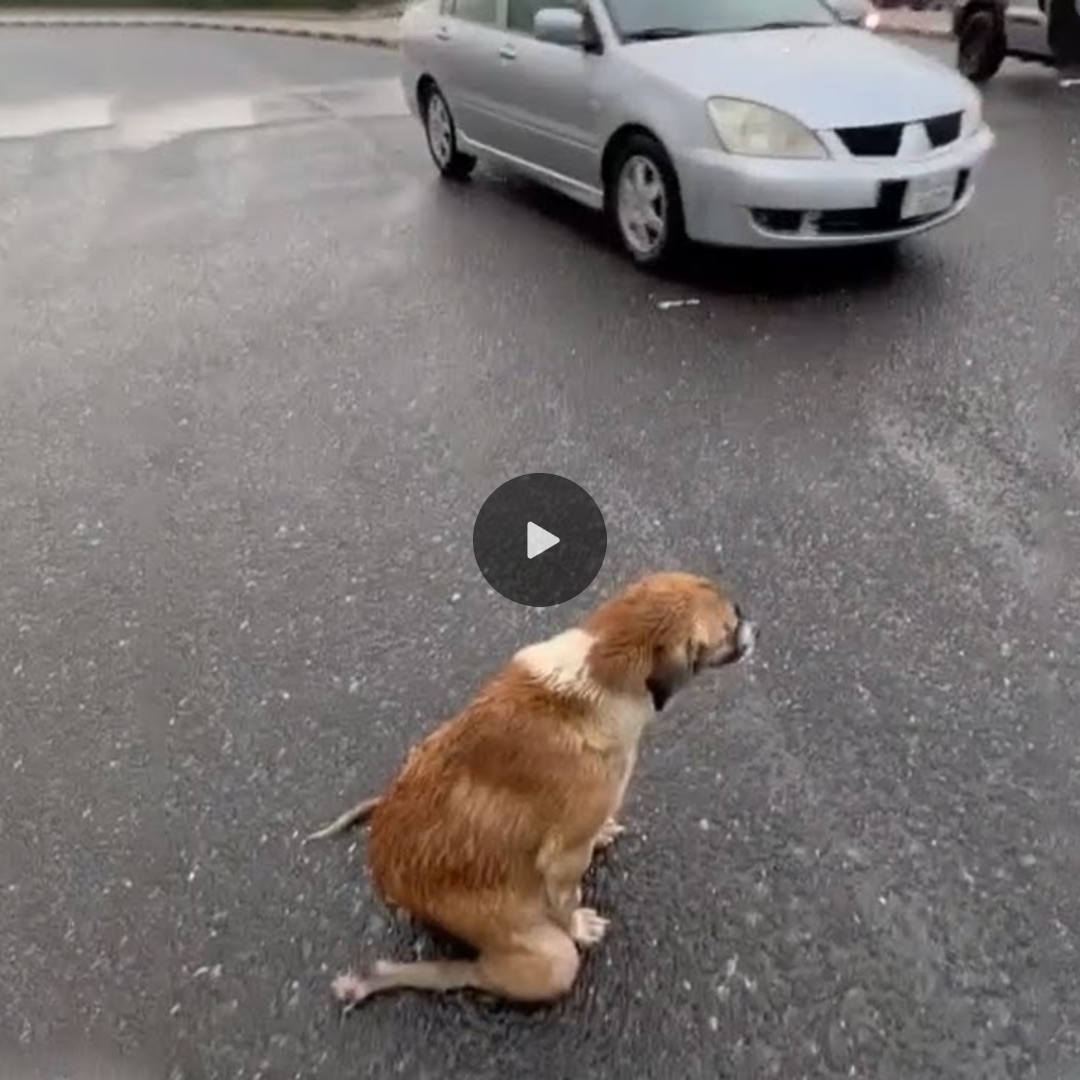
column 442, row 137
column 1064, row 34
column 981, row 45
column 644, row 202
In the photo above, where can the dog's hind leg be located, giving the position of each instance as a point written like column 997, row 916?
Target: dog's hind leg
column 536, row 967
column 437, row 975
column 539, row 967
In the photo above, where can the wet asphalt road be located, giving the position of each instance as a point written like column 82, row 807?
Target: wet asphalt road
column 255, row 385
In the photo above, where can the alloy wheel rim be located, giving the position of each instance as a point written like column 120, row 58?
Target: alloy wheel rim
column 440, row 131
column 642, row 205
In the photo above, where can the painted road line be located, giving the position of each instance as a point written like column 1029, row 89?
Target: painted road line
column 56, row 116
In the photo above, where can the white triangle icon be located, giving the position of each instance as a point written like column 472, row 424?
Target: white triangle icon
column 538, row 540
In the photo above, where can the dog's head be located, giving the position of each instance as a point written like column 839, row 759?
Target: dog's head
column 663, row 630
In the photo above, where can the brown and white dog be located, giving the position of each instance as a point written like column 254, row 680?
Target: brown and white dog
column 492, row 822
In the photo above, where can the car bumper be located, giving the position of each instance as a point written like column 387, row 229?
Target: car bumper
column 410, row 83
column 776, row 203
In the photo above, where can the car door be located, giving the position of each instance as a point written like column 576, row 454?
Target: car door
column 466, row 65
column 547, row 98
column 1027, row 24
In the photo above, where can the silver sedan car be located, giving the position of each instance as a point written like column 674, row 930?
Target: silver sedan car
column 744, row 123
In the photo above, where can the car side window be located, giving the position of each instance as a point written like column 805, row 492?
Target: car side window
column 520, row 14
column 475, row 11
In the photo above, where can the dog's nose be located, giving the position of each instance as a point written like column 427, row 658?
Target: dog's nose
column 746, row 635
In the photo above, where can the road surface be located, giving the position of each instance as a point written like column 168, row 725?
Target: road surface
column 260, row 370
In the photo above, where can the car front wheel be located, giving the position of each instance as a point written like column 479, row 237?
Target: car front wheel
column 442, row 137
column 644, row 203
column 980, row 46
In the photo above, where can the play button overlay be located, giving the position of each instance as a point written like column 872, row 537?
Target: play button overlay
column 540, row 540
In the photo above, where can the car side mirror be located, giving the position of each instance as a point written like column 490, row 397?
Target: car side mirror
column 566, row 26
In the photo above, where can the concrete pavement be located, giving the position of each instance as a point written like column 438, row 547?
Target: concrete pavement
column 257, row 381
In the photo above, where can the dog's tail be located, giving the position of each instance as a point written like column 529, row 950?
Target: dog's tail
column 358, row 815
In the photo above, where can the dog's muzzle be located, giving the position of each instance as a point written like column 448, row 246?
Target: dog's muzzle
column 746, row 635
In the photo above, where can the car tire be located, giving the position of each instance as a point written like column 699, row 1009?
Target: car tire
column 644, row 203
column 980, row 49
column 1064, row 34
column 441, row 132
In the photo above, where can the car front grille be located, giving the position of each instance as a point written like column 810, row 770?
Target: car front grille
column 883, row 218
column 880, row 140
column 943, row 130
column 883, row 140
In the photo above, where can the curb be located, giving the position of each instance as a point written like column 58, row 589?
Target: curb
column 942, row 33
column 357, row 37
column 915, row 31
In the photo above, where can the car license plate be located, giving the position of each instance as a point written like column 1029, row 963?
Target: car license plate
column 926, row 195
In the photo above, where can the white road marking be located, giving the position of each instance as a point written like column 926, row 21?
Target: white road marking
column 367, row 98
column 57, row 116
column 144, row 128
column 666, row 305
column 141, row 127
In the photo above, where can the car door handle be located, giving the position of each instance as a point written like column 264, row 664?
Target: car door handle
column 443, row 33
column 508, row 52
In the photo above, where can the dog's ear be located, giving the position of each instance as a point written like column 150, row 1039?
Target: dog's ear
column 671, row 667
column 697, row 652
column 674, row 665
column 662, row 687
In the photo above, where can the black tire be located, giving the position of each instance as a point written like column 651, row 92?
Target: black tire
column 1064, row 33
column 671, row 241
column 980, row 49
column 442, row 143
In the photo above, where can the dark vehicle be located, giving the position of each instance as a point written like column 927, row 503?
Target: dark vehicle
column 1043, row 31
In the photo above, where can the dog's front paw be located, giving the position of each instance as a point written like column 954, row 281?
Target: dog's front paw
column 587, row 927
column 609, row 833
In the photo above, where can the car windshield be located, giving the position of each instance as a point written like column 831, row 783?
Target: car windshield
column 645, row 20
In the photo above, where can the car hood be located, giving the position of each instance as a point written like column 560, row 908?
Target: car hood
column 827, row 77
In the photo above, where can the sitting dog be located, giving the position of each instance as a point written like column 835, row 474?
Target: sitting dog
column 490, row 825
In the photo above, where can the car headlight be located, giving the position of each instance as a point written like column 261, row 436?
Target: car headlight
column 972, row 119
column 745, row 127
